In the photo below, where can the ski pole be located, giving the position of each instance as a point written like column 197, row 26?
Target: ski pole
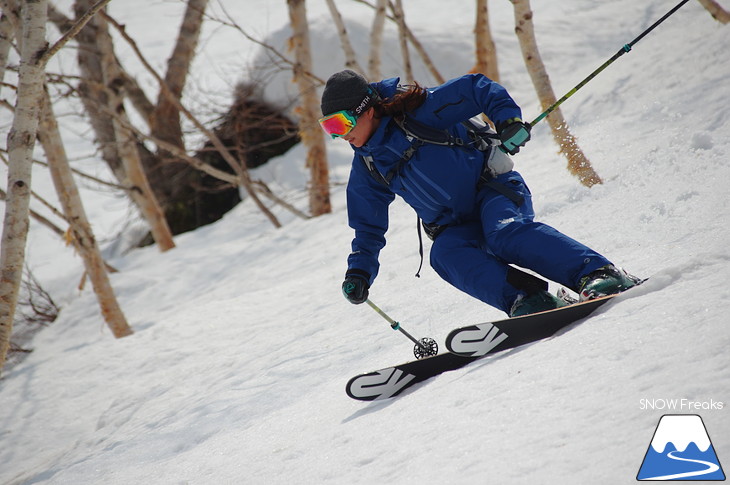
column 424, row 347
column 626, row 48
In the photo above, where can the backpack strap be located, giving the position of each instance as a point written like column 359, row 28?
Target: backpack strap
column 369, row 163
column 426, row 134
column 484, row 139
column 482, row 136
column 486, row 181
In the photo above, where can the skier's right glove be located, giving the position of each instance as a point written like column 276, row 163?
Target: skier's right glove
column 514, row 133
column 356, row 285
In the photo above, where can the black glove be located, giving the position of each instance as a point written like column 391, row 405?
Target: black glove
column 514, row 133
column 356, row 285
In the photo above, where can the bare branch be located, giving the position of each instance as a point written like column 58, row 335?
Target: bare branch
column 283, row 58
column 139, row 99
column 131, row 89
column 400, row 18
column 80, row 23
column 193, row 161
column 376, row 39
column 266, row 191
column 127, row 149
column 43, row 309
column 416, row 45
column 239, row 168
column 350, row 57
column 34, row 194
column 176, row 151
column 41, row 219
column 62, row 21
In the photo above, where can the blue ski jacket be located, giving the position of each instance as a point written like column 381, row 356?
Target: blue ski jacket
column 439, row 182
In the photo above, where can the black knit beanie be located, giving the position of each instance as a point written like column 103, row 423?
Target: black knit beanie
column 347, row 90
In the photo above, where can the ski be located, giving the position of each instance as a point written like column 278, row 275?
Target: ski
column 485, row 338
column 467, row 344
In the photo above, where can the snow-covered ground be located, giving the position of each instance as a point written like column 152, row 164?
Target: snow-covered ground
column 243, row 343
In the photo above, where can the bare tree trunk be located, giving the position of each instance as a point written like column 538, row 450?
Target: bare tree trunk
column 8, row 27
column 400, row 18
column 94, row 95
column 417, row 46
column 424, row 55
column 716, row 10
column 176, row 183
column 486, row 50
column 238, row 166
column 141, row 192
column 350, row 57
column 21, row 140
column 136, row 95
column 179, row 186
column 141, row 189
column 166, row 118
column 376, row 40
column 101, row 90
column 84, row 239
column 39, row 218
column 310, row 131
column 34, row 54
column 578, row 164
column 74, row 30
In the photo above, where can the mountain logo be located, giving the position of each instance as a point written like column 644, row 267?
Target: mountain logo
column 681, row 450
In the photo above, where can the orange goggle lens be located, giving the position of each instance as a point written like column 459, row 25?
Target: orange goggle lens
column 339, row 123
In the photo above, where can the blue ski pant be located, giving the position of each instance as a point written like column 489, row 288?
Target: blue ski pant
column 474, row 256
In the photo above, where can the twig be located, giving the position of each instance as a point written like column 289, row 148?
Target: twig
column 416, row 45
column 71, row 33
column 177, row 151
column 198, row 164
column 350, row 57
column 400, row 17
column 35, row 195
column 232, row 23
column 264, row 189
column 239, row 168
column 41, row 219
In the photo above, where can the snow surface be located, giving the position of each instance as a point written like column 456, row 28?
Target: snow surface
column 243, row 343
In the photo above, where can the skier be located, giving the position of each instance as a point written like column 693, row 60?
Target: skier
column 477, row 211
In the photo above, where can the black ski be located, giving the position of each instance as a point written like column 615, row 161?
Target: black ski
column 467, row 344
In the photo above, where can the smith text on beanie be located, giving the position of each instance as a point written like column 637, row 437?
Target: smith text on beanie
column 347, row 90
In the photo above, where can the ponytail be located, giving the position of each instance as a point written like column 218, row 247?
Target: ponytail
column 402, row 102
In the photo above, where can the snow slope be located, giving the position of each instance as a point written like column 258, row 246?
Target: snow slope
column 243, row 344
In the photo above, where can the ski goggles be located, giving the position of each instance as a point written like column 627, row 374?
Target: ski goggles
column 339, row 123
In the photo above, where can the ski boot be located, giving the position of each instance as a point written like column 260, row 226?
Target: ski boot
column 565, row 295
column 534, row 303
column 606, row 281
